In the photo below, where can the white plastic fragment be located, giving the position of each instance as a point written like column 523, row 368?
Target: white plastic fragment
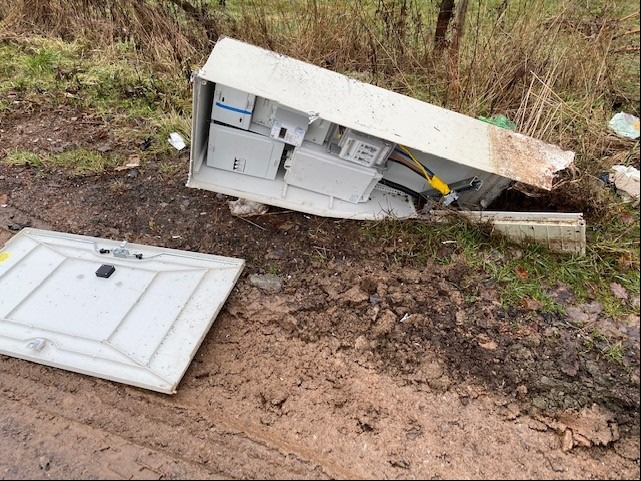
column 626, row 180
column 559, row 232
column 626, row 125
column 246, row 208
column 176, row 140
column 36, row 344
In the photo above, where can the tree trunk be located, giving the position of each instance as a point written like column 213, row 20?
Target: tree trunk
column 454, row 94
column 445, row 14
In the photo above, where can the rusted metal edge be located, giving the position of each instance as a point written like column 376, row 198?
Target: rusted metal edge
column 526, row 159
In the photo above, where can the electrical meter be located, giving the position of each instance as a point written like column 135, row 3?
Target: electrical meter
column 289, row 126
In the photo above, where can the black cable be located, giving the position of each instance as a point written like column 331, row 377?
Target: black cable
column 418, row 196
column 410, row 166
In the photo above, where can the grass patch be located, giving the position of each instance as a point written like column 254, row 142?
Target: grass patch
column 116, row 80
column 23, row 157
column 77, row 162
column 525, row 271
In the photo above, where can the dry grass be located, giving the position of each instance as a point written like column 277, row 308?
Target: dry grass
column 558, row 69
column 164, row 32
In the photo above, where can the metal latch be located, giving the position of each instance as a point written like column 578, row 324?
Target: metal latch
column 121, row 252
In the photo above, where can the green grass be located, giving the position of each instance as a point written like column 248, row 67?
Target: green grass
column 521, row 271
column 116, row 80
column 23, row 157
column 78, row 162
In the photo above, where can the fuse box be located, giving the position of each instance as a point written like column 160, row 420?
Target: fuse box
column 312, row 167
column 310, row 139
column 243, row 152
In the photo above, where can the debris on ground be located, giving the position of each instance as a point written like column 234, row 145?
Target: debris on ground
column 177, row 141
column 591, row 426
column 626, row 125
column 246, row 208
column 559, row 232
column 132, row 162
column 626, row 181
column 266, row 282
column 499, row 120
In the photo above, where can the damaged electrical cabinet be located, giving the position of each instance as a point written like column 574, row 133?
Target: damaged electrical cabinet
column 275, row 130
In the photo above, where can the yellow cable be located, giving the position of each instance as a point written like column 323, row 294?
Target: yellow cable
column 434, row 181
column 420, row 166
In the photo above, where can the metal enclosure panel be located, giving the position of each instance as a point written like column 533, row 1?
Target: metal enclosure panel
column 325, row 94
column 141, row 325
column 201, row 117
column 243, row 152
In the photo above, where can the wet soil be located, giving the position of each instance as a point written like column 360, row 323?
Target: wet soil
column 354, row 368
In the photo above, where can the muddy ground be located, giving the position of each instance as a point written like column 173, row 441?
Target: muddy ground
column 356, row 368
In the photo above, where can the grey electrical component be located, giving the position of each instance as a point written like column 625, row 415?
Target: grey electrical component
column 289, row 126
column 363, row 149
column 317, row 131
column 264, row 111
column 313, row 168
column 232, row 107
column 243, row 152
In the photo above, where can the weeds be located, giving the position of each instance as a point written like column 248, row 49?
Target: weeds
column 596, row 340
column 78, row 162
column 21, row 157
column 527, row 274
column 168, row 169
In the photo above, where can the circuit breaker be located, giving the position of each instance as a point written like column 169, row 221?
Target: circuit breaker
column 289, row 126
column 232, row 107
